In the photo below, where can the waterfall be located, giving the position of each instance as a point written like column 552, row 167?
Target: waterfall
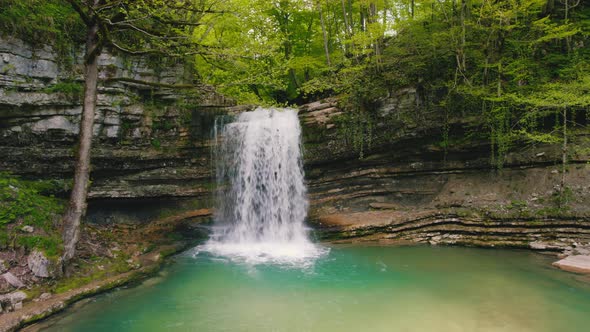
column 261, row 195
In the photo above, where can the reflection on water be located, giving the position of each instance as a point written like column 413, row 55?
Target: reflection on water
column 350, row 289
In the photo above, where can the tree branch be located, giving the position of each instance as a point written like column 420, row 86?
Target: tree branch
column 83, row 15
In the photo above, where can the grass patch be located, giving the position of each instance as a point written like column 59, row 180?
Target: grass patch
column 51, row 245
column 27, row 203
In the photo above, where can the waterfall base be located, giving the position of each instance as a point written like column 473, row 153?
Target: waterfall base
column 300, row 255
column 262, row 198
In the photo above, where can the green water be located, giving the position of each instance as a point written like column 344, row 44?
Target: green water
column 350, row 289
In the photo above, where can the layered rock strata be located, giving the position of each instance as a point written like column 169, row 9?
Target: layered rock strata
column 151, row 127
column 405, row 185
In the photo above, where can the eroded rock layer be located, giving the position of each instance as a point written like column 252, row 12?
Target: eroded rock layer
column 404, row 185
column 151, row 127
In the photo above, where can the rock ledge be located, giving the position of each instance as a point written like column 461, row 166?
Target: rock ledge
column 576, row 263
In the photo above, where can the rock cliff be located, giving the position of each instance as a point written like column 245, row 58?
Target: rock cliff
column 408, row 186
column 151, row 127
column 406, row 174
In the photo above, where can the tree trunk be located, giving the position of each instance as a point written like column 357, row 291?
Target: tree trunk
column 77, row 205
column 350, row 18
column 345, row 16
column 499, row 83
column 463, row 32
column 562, row 198
column 548, row 7
column 347, row 30
column 326, row 46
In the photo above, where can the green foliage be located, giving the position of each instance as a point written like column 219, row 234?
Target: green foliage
column 23, row 200
column 514, row 65
column 563, row 197
column 156, row 143
column 355, row 128
column 72, row 89
column 51, row 245
column 164, row 124
column 43, row 21
column 28, row 203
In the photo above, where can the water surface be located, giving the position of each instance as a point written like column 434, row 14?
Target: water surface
column 350, row 289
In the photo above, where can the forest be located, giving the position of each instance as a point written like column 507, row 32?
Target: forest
column 517, row 65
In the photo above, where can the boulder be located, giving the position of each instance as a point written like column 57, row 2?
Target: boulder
column 13, row 280
column 576, row 263
column 12, row 301
column 41, row 266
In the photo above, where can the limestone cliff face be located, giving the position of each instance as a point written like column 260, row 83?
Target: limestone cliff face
column 151, row 136
column 407, row 186
column 152, row 142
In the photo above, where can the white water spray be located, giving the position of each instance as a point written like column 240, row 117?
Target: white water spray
column 261, row 199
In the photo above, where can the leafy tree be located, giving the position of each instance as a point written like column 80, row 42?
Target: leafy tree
column 133, row 27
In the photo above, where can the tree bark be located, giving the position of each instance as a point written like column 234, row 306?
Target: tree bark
column 463, row 33
column 350, row 18
column 326, row 46
column 345, row 16
column 77, row 205
column 563, row 198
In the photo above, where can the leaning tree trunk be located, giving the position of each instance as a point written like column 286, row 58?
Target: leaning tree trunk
column 77, row 205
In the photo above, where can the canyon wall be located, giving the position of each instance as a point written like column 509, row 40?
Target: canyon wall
column 408, row 185
column 151, row 132
column 420, row 177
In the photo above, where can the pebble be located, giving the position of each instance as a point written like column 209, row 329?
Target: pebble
column 28, row 229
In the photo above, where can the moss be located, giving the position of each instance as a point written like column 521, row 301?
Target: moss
column 50, row 245
column 164, row 124
column 88, row 272
column 71, row 89
column 26, row 203
column 156, row 143
column 23, row 200
column 41, row 21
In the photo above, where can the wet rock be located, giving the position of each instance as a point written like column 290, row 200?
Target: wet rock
column 435, row 240
column 382, row 206
column 576, row 263
column 13, row 280
column 538, row 245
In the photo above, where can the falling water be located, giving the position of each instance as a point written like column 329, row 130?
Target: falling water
column 261, row 202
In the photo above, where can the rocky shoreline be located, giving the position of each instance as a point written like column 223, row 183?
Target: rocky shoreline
column 129, row 253
column 48, row 305
column 381, row 227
